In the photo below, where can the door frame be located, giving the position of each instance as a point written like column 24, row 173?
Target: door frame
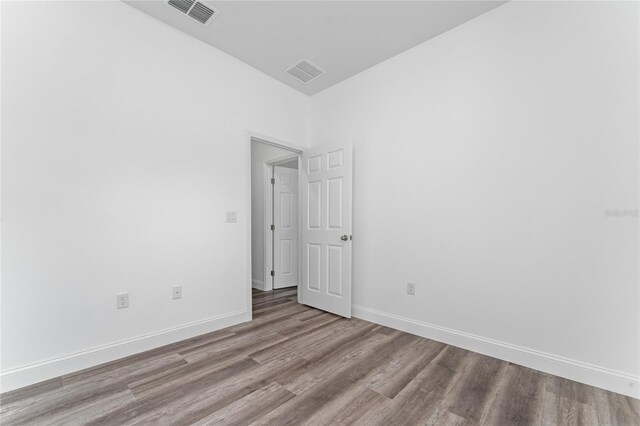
column 267, row 170
column 298, row 150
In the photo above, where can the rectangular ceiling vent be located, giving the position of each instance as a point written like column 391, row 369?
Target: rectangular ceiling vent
column 305, row 71
column 195, row 9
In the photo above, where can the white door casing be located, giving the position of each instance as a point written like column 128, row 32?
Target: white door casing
column 326, row 229
column 285, row 234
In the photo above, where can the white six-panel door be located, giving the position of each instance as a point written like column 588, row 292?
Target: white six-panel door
column 285, row 234
column 326, row 229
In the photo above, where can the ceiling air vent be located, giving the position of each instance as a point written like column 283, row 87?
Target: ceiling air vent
column 182, row 5
column 195, row 9
column 201, row 13
column 305, row 71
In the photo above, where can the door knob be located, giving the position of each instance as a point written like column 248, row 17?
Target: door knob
column 344, row 238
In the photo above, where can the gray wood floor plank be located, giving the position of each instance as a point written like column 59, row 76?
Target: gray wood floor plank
column 623, row 409
column 159, row 399
column 451, row 358
column 307, row 315
column 450, row 419
column 418, row 401
column 270, row 303
column 191, row 405
column 276, row 311
column 344, row 379
column 267, row 314
column 340, row 341
column 580, row 392
column 561, row 410
column 519, row 398
column 249, row 408
column 301, row 341
column 348, row 408
column 307, row 376
column 270, row 321
column 236, row 346
column 398, row 372
column 303, row 327
column 86, row 410
column 187, row 373
column 64, row 404
column 67, row 397
column 296, row 365
column 125, row 373
column 27, row 392
column 473, row 389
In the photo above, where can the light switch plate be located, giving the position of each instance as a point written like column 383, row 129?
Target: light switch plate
column 232, row 216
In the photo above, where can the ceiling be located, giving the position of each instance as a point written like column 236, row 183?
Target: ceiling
column 341, row 37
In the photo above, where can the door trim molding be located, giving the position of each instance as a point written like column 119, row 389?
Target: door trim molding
column 267, row 254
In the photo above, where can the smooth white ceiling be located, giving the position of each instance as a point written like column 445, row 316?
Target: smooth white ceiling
column 342, row 37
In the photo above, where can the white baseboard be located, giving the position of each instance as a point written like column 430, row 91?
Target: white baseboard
column 48, row 369
column 257, row 284
column 604, row 378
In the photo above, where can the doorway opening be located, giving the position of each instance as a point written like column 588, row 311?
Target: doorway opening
column 300, row 240
column 275, row 239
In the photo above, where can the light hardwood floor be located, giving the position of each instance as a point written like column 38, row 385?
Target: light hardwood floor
column 296, row 365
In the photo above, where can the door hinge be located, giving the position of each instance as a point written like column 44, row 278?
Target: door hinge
column 273, row 273
column 273, row 181
column 273, row 227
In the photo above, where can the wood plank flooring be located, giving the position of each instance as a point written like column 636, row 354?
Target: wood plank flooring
column 294, row 365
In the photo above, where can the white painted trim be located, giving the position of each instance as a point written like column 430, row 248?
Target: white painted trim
column 268, row 220
column 300, row 250
column 283, row 159
column 247, row 214
column 54, row 367
column 258, row 284
column 275, row 142
column 593, row 375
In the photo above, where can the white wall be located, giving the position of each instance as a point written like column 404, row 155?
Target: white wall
column 484, row 162
column 124, row 145
column 260, row 153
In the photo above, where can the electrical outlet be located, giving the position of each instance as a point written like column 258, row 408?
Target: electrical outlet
column 411, row 288
column 122, row 300
column 177, row 292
